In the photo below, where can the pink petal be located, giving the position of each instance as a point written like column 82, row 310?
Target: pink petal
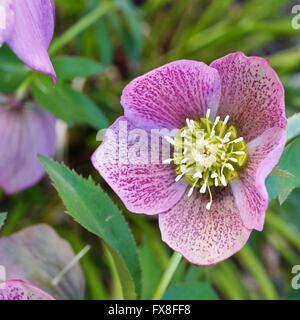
column 31, row 33
column 252, row 94
column 145, row 187
column 37, row 255
column 6, row 19
column 166, row 96
column 20, row 290
column 204, row 237
column 25, row 132
column 249, row 190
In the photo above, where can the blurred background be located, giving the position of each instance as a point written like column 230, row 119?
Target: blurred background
column 128, row 39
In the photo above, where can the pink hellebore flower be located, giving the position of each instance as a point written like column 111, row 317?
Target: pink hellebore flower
column 20, row 290
column 211, row 193
column 27, row 27
column 25, row 131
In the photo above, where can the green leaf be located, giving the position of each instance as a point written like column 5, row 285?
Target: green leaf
column 67, row 104
column 12, row 71
column 2, row 219
column 280, row 186
column 133, row 40
column 94, row 210
column 196, row 290
column 293, row 129
column 104, row 41
column 71, row 6
column 68, row 68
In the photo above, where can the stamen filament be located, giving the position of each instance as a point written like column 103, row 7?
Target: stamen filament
column 208, row 206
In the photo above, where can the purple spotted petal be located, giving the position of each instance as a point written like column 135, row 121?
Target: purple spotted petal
column 25, row 132
column 204, row 237
column 168, row 95
column 37, row 255
column 143, row 187
column 249, row 190
column 20, row 290
column 252, row 94
column 31, row 33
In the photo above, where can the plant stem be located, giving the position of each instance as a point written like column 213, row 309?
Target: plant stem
column 277, row 223
column 248, row 259
column 79, row 27
column 22, row 89
column 168, row 275
column 70, row 265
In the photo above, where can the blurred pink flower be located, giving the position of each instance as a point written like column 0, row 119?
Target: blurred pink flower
column 32, row 260
column 25, row 131
column 27, row 27
column 211, row 193
column 20, row 290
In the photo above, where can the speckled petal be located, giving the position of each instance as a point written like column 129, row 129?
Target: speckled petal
column 37, row 255
column 204, row 237
column 147, row 188
column 249, row 190
column 166, row 96
column 31, row 33
column 20, row 290
column 25, row 133
column 252, row 94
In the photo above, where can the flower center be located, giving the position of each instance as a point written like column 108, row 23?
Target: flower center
column 207, row 154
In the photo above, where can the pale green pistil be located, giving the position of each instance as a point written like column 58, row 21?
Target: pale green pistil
column 207, row 154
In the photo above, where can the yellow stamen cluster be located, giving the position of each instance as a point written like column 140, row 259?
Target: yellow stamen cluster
column 207, row 154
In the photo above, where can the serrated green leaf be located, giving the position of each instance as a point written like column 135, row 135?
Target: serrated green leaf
column 68, row 67
column 196, row 290
column 279, row 186
column 67, row 104
column 2, row 219
column 94, row 210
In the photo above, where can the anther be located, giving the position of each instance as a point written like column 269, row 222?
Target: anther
column 237, row 140
column 229, row 166
column 179, row 177
column 197, row 175
column 167, row 161
column 225, row 120
column 216, row 182
column 203, row 188
column 170, row 140
column 208, row 206
column 207, row 113
column 192, row 188
column 223, row 180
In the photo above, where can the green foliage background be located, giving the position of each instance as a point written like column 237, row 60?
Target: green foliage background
column 123, row 39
